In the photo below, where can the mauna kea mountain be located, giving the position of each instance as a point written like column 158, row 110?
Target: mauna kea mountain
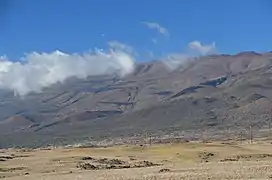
column 212, row 93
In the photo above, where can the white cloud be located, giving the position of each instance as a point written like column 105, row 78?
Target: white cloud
column 202, row 49
column 196, row 49
column 157, row 27
column 39, row 70
column 173, row 61
column 116, row 45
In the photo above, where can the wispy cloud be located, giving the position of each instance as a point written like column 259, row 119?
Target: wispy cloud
column 196, row 49
column 157, row 27
column 174, row 60
column 150, row 54
column 202, row 49
column 154, row 40
column 118, row 46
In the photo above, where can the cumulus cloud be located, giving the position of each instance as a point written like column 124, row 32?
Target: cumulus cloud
column 157, row 27
column 202, row 49
column 39, row 70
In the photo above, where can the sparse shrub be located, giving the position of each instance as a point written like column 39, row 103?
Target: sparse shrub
column 7, row 157
column 164, row 170
column 11, row 169
column 110, row 161
column 87, row 158
column 205, row 156
column 229, row 159
column 87, row 166
column 105, row 163
column 116, row 161
column 144, row 164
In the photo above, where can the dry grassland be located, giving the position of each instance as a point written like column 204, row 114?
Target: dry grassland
column 192, row 160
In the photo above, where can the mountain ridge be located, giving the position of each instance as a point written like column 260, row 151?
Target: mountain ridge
column 204, row 92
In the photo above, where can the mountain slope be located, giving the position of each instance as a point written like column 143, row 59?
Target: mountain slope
column 209, row 93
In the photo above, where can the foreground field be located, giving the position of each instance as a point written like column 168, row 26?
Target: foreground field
column 169, row 161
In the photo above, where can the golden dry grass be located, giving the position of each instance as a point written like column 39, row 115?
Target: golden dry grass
column 185, row 161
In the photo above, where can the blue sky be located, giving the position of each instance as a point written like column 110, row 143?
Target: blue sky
column 81, row 25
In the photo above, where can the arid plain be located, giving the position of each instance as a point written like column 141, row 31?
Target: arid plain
column 188, row 160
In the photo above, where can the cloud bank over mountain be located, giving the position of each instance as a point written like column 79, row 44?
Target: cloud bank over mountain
column 36, row 70
column 39, row 70
column 194, row 50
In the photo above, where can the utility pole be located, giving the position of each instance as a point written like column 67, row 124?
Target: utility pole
column 148, row 139
column 269, row 126
column 269, row 121
column 250, row 134
column 241, row 136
